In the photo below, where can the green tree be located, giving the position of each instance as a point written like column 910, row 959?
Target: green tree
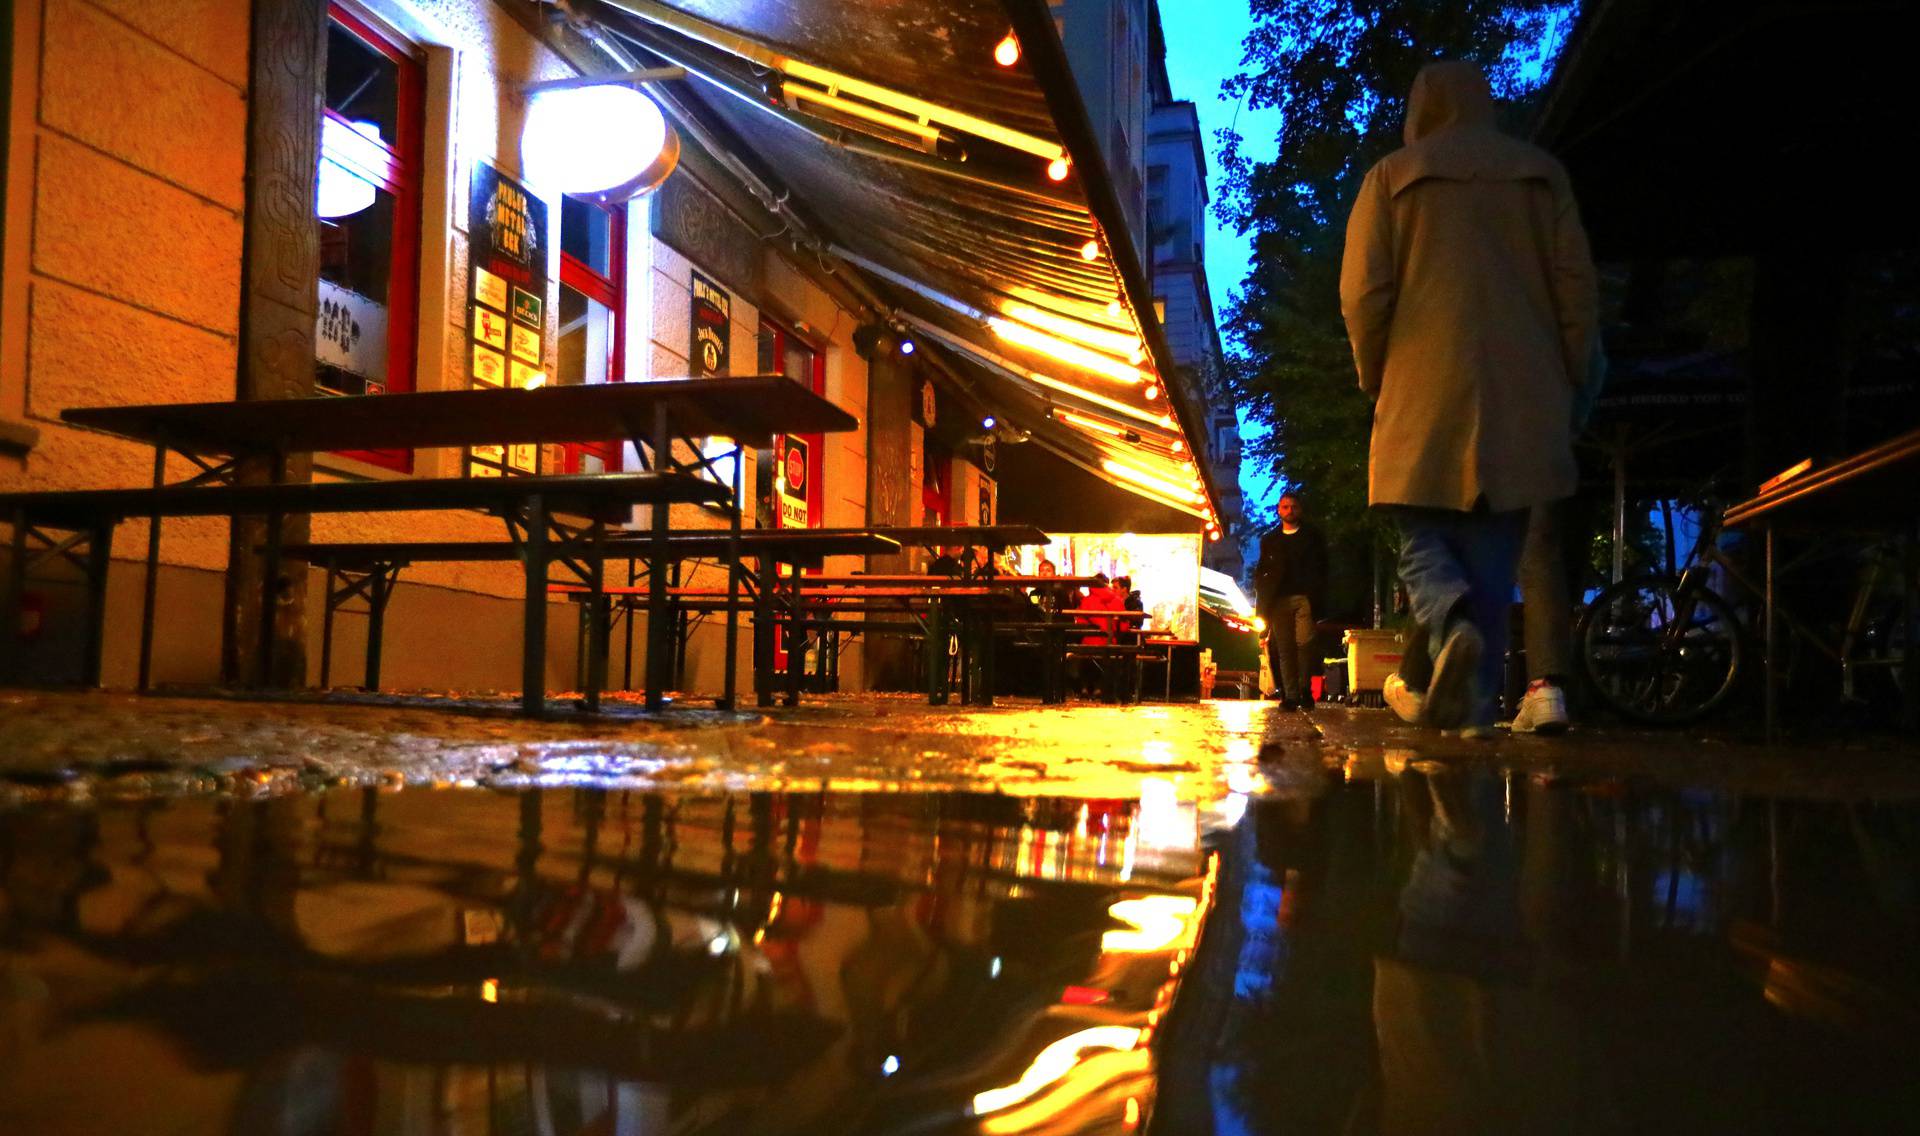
column 1338, row 71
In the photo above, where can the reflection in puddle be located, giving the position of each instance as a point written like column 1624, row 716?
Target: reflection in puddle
column 583, row 961
column 1431, row 950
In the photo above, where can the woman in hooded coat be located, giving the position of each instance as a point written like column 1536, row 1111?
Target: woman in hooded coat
column 1470, row 300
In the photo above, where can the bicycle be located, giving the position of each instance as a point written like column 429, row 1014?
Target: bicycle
column 1666, row 650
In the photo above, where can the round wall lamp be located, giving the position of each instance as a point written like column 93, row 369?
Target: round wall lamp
column 607, row 142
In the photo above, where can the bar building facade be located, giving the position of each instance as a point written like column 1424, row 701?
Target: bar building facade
column 221, row 199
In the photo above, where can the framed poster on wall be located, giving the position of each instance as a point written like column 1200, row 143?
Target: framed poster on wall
column 711, row 352
column 507, row 237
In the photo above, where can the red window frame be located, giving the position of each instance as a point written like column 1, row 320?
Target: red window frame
column 816, row 445
column 400, row 175
column 610, row 291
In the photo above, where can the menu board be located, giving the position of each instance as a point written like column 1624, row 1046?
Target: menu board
column 507, row 238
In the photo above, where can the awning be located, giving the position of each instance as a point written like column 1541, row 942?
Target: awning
column 970, row 193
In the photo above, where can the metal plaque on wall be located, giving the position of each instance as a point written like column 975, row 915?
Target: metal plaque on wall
column 710, row 353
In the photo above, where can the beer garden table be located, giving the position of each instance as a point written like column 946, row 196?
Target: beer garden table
column 218, row 437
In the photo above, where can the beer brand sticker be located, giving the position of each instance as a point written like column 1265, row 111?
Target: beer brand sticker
column 490, row 328
column 526, row 376
column 489, row 367
column 712, row 316
column 792, row 478
column 528, row 308
column 477, row 469
column 489, row 289
column 524, row 457
column 526, row 344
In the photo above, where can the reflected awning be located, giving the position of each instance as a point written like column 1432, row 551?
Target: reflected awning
column 970, row 193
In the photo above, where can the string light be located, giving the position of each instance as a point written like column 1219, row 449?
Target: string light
column 1090, row 250
column 1057, row 169
column 1007, row 52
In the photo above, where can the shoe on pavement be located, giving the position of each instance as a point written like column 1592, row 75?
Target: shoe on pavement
column 1406, row 703
column 1542, row 711
column 1450, row 696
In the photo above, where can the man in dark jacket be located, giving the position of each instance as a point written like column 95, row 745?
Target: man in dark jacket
column 1290, row 585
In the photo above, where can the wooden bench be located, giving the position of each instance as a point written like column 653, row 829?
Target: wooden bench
column 369, row 570
column 528, row 503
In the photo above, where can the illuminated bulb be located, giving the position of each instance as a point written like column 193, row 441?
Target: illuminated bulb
column 1136, row 357
column 1007, row 53
column 907, row 347
column 890, row 1066
column 1057, row 170
column 1167, row 421
column 989, row 422
column 1153, row 392
column 1213, row 534
column 1090, row 251
column 1178, row 446
column 1113, row 308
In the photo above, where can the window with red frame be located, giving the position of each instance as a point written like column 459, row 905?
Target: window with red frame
column 591, row 347
column 782, row 352
column 367, row 207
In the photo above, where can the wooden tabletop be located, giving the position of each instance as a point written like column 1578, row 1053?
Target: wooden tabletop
column 752, row 409
column 875, row 580
column 960, row 536
column 1876, row 487
column 777, row 544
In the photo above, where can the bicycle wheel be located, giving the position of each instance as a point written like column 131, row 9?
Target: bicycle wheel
column 1657, row 655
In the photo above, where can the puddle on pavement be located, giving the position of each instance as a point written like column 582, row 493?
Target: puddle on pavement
column 1373, row 947
column 1430, row 949
column 576, row 960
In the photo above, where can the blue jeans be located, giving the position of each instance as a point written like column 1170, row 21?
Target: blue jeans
column 1449, row 557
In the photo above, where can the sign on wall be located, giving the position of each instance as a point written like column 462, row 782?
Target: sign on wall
column 507, row 238
column 792, row 483
column 986, row 501
column 711, row 350
column 351, row 332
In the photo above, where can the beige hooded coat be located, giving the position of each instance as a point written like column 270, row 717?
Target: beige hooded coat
column 1469, row 296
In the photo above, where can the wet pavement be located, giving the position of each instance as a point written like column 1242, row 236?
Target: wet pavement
column 871, row 916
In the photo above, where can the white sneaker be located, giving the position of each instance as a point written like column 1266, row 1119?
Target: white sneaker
column 1542, row 711
column 1406, row 703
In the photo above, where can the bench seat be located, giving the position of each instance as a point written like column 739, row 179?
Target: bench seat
column 603, row 497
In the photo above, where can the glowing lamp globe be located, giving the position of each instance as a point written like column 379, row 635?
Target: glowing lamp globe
column 607, row 143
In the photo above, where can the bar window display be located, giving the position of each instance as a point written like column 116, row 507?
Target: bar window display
column 368, row 211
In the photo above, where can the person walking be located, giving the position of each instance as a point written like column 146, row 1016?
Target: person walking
column 1290, row 587
column 1546, row 593
column 1469, row 297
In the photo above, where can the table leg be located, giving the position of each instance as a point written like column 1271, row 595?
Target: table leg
column 270, row 578
column 986, row 646
column 596, row 641
column 659, row 650
column 99, row 560
column 763, row 633
column 149, row 599
column 936, row 653
column 533, row 646
column 729, row 697
column 378, row 593
column 796, row 644
column 326, row 627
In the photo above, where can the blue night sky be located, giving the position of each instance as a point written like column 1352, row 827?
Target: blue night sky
column 1203, row 50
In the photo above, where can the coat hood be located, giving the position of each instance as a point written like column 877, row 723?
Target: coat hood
column 1446, row 95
